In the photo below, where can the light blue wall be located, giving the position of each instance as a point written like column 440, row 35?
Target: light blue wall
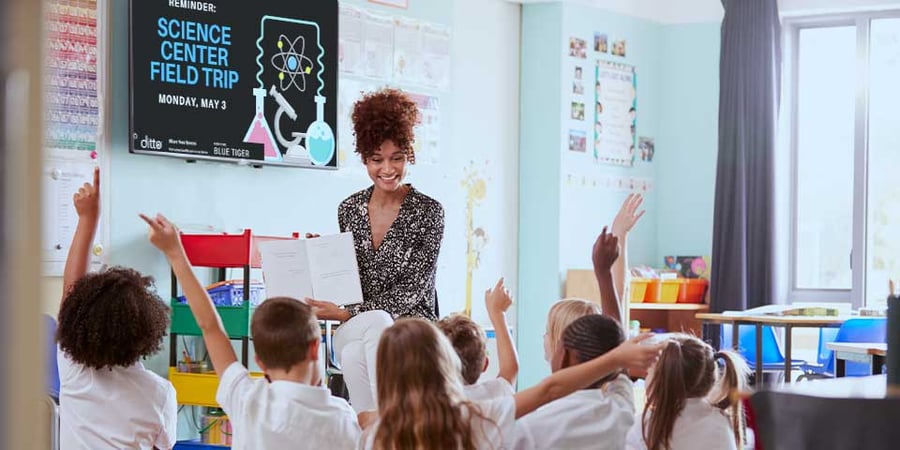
column 539, row 184
column 688, row 139
column 677, row 92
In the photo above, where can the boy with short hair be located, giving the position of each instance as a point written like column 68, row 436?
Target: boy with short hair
column 470, row 343
column 289, row 407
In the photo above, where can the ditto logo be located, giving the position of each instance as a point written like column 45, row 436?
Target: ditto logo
column 149, row 143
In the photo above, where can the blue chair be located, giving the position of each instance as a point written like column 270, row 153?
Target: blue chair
column 824, row 356
column 772, row 358
column 857, row 329
column 51, row 378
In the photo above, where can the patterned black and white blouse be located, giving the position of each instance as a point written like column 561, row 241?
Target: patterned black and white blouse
column 399, row 277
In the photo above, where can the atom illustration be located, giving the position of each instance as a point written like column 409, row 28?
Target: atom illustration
column 292, row 65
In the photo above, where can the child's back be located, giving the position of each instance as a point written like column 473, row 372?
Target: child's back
column 598, row 417
column 589, row 418
column 118, row 407
column 288, row 408
column 107, row 322
column 284, row 414
column 699, row 426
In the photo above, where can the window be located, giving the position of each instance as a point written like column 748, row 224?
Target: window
column 843, row 94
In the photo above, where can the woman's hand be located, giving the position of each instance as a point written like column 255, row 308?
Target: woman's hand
column 327, row 310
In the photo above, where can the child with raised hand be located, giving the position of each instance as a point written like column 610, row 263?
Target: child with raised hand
column 108, row 321
column 289, row 406
column 692, row 403
column 470, row 343
column 625, row 220
column 597, row 416
column 422, row 404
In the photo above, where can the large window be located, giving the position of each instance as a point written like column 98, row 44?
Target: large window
column 843, row 93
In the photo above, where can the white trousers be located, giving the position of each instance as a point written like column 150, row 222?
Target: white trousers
column 356, row 347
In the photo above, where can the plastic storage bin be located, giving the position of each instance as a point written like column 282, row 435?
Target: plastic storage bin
column 668, row 292
column 639, row 289
column 693, row 290
column 653, row 288
column 231, row 293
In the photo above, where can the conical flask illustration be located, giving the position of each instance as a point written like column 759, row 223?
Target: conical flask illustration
column 259, row 132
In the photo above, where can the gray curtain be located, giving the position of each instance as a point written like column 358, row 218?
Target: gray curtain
column 743, row 221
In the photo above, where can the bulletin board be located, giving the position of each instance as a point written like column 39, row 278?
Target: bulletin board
column 76, row 130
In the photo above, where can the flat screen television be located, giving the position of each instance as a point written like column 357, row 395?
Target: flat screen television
column 253, row 82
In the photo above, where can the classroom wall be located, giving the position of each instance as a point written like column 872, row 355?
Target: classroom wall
column 687, row 147
column 560, row 194
column 479, row 132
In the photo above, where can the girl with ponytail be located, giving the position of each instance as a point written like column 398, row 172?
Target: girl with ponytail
column 692, row 402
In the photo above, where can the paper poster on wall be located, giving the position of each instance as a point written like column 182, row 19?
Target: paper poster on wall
column 60, row 180
column 577, row 141
column 577, row 47
column 351, row 91
column 350, row 42
column 407, row 51
column 436, row 55
column 615, row 114
column 71, row 86
column 428, row 132
column 251, row 82
column 601, row 43
column 379, row 47
column 647, row 148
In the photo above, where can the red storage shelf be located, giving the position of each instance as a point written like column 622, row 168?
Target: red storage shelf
column 226, row 250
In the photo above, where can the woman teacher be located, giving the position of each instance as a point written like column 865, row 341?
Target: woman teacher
column 397, row 232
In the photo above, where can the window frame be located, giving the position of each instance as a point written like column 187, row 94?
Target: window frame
column 791, row 27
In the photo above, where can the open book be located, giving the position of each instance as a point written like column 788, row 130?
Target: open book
column 323, row 268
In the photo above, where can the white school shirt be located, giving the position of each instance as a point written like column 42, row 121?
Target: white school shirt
column 122, row 407
column 597, row 419
column 494, row 432
column 284, row 414
column 699, row 426
column 489, row 389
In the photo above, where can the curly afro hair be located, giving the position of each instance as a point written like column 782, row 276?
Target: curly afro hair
column 112, row 318
column 382, row 115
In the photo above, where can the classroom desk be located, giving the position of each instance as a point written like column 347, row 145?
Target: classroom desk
column 870, row 353
column 788, row 322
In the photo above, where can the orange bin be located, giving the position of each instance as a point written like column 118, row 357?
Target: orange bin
column 693, row 290
column 652, row 294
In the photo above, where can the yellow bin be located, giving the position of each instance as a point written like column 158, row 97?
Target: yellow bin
column 638, row 289
column 668, row 292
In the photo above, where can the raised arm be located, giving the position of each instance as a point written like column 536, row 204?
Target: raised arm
column 497, row 301
column 604, row 255
column 631, row 354
column 87, row 206
column 625, row 220
column 164, row 236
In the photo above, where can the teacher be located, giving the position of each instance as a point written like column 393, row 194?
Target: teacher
column 397, row 232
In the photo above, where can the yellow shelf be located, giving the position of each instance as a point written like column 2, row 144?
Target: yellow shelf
column 197, row 388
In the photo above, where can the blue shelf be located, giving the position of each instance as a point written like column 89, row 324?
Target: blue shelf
column 197, row 445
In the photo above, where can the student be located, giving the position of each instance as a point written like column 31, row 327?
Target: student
column 108, row 321
column 287, row 407
column 470, row 343
column 691, row 404
column 421, row 403
column 600, row 415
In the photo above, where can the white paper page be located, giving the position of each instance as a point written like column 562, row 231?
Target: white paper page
column 286, row 269
column 333, row 269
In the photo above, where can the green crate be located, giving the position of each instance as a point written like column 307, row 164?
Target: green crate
column 235, row 318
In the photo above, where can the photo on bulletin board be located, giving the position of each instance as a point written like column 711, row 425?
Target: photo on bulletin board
column 577, row 88
column 647, row 148
column 618, row 48
column 247, row 82
column 577, row 47
column 601, row 43
column 578, row 72
column 577, row 141
column 578, row 110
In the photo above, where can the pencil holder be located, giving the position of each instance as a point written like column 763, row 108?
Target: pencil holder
column 193, row 367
